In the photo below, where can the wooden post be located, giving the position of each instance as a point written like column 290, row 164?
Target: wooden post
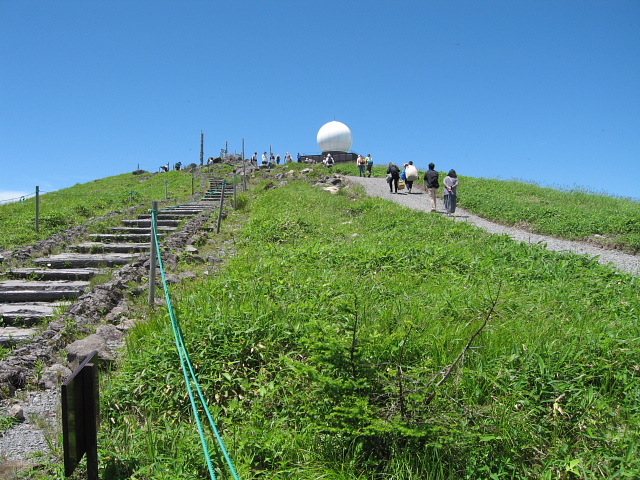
column 153, row 259
column 80, row 401
column 37, row 209
column 221, row 205
column 166, row 189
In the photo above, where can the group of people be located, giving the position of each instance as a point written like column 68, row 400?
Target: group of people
column 165, row 168
column 410, row 174
column 269, row 161
column 365, row 163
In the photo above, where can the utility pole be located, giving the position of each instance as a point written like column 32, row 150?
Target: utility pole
column 201, row 148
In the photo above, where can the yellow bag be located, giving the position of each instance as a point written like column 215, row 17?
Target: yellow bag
column 401, row 184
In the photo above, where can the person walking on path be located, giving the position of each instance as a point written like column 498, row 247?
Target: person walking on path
column 451, row 192
column 360, row 162
column 431, row 184
column 394, row 171
column 369, row 162
column 411, row 175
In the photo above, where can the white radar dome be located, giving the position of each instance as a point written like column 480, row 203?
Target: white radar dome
column 334, row 137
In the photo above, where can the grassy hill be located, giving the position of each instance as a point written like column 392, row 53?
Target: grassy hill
column 349, row 337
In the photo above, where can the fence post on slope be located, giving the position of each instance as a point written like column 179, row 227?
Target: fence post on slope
column 153, row 259
column 224, row 182
column 37, row 209
column 235, row 192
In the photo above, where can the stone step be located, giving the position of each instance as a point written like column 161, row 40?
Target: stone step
column 122, row 237
column 172, row 215
column 140, row 230
column 57, row 274
column 81, row 260
column 100, row 247
column 15, row 291
column 11, row 335
column 27, row 314
column 147, row 223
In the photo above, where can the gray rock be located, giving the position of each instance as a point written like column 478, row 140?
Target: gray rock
column 17, row 412
column 79, row 350
column 55, row 375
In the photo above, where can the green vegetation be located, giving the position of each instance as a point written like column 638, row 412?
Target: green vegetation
column 350, row 338
column 72, row 206
column 575, row 214
column 6, row 422
column 353, row 338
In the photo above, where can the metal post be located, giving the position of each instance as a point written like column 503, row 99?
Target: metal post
column 153, row 259
column 166, row 189
column 244, row 170
column 193, row 179
column 235, row 195
column 221, row 205
column 201, row 148
column 37, row 209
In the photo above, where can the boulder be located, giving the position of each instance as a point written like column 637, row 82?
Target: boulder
column 79, row 350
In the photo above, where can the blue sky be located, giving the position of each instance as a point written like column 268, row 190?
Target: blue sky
column 545, row 91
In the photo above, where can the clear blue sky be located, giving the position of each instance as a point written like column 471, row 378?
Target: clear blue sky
column 545, row 91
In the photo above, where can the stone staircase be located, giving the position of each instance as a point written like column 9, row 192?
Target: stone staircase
column 215, row 190
column 31, row 295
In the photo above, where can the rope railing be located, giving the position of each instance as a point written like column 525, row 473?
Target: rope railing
column 188, row 371
column 19, row 199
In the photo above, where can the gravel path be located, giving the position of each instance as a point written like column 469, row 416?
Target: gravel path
column 32, row 438
column 418, row 200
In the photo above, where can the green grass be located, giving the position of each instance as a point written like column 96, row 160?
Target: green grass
column 576, row 214
column 72, row 206
column 321, row 343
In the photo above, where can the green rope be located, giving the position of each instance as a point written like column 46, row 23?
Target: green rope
column 188, row 371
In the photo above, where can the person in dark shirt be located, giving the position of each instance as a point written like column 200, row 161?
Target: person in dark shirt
column 394, row 171
column 431, row 184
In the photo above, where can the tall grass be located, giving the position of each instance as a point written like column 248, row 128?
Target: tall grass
column 321, row 343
